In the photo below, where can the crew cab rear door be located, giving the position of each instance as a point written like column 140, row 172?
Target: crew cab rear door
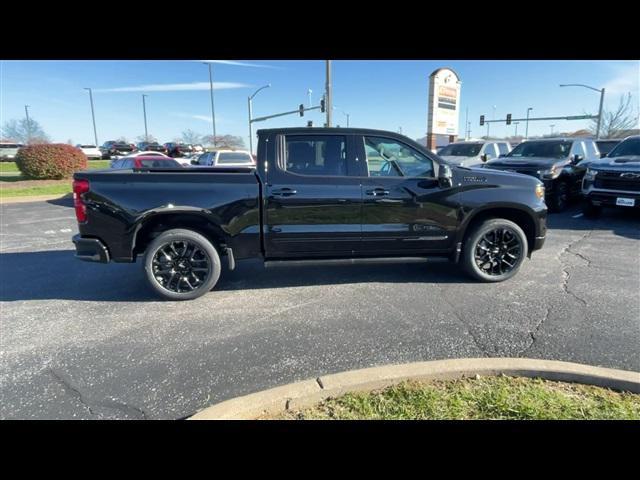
column 405, row 210
column 312, row 197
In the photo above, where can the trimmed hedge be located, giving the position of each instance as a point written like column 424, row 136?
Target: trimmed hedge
column 50, row 161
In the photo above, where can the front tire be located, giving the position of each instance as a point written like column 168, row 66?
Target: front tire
column 590, row 210
column 182, row 264
column 560, row 198
column 494, row 250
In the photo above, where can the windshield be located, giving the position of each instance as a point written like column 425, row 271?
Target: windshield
column 606, row 146
column 627, row 147
column 461, row 150
column 558, row 149
column 87, row 146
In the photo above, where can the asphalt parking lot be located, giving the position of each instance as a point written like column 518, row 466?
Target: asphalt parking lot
column 81, row 340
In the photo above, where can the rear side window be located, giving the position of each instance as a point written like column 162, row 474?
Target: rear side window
column 225, row 157
column 503, row 148
column 592, row 150
column 324, row 155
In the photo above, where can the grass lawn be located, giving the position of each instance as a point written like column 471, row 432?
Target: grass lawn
column 479, row 398
column 12, row 184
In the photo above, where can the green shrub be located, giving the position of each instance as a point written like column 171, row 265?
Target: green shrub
column 50, row 161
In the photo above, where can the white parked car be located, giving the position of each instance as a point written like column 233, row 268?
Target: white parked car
column 91, row 151
column 225, row 158
column 146, row 154
column 8, row 151
column 474, row 153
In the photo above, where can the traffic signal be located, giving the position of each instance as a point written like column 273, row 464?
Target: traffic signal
column 322, row 105
column 301, row 109
column 481, row 120
column 508, row 119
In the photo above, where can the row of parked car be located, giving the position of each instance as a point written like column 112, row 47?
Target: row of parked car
column 602, row 172
column 219, row 157
column 113, row 148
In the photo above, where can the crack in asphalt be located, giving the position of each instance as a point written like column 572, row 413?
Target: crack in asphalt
column 565, row 268
column 109, row 404
column 464, row 323
column 535, row 331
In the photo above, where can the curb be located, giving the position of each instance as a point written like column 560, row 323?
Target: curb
column 34, row 198
column 307, row 393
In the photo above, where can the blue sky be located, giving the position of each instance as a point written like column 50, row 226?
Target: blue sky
column 377, row 94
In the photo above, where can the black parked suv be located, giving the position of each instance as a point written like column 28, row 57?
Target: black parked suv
column 613, row 181
column 114, row 148
column 557, row 162
column 178, row 149
column 151, row 147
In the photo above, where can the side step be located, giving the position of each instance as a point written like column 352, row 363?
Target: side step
column 352, row 261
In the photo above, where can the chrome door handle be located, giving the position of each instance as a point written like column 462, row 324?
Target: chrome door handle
column 284, row 192
column 377, row 192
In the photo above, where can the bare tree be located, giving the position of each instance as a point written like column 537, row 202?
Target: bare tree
column 25, row 132
column 616, row 123
column 224, row 141
column 122, row 140
column 191, row 137
column 149, row 138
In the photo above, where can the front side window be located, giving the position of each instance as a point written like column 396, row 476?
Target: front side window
column 390, row 158
column 630, row 146
column 204, row 159
column 490, row 151
column 324, row 155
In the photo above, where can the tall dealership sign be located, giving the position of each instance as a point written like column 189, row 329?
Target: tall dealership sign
column 444, row 105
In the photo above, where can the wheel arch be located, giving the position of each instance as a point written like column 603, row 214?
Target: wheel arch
column 153, row 225
column 518, row 215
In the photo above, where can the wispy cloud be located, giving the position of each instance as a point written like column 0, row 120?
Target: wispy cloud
column 626, row 79
column 240, row 64
column 204, row 118
column 175, row 87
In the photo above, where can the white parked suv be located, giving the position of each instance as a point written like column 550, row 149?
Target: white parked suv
column 91, row 151
column 8, row 151
column 474, row 153
column 225, row 158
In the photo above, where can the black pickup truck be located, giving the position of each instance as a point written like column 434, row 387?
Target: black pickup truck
column 316, row 195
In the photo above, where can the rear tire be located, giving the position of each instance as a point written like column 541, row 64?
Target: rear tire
column 494, row 250
column 182, row 264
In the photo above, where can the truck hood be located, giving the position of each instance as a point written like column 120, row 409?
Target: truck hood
column 628, row 163
column 525, row 162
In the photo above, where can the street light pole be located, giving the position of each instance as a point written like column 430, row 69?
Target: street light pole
column 309, row 92
column 144, row 111
column 526, row 130
column 552, row 129
column 249, row 101
column 93, row 116
column 26, row 110
column 213, row 110
column 601, row 90
column 328, row 106
column 516, row 124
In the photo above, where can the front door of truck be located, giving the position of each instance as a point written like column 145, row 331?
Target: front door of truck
column 313, row 197
column 405, row 210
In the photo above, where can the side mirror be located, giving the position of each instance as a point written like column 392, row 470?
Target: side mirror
column 445, row 176
column 484, row 157
column 577, row 158
column 194, row 162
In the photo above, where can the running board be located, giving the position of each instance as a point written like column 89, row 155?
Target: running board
column 351, row 261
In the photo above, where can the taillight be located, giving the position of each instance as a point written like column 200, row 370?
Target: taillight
column 80, row 187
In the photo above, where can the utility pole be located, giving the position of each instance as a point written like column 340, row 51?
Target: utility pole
column 552, row 129
column 466, row 122
column 250, row 102
column 26, row 110
column 601, row 90
column 468, row 130
column 93, row 116
column 516, row 124
column 144, row 111
column 328, row 106
column 309, row 92
column 213, row 110
column 526, row 131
